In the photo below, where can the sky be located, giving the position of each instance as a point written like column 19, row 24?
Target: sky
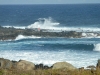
column 48, row 1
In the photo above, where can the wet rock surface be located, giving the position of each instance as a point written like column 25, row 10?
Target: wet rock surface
column 12, row 33
column 98, row 64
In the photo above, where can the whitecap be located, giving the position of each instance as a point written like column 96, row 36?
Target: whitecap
column 19, row 37
column 44, row 23
column 97, row 47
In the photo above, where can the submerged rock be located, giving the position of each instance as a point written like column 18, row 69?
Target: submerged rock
column 63, row 65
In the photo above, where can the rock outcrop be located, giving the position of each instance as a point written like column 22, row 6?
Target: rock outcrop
column 63, row 65
column 98, row 64
column 12, row 33
column 42, row 66
column 5, row 63
column 91, row 67
column 25, row 65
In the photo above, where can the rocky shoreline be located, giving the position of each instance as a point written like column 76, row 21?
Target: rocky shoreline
column 27, row 65
column 12, row 33
column 23, row 67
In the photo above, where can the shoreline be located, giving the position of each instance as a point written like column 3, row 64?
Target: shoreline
column 6, row 63
column 11, row 33
column 23, row 67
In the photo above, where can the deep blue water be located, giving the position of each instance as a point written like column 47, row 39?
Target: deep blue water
column 67, row 15
column 77, row 51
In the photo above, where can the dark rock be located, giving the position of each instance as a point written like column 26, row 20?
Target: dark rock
column 14, row 64
column 81, row 69
column 41, row 66
column 98, row 64
column 91, row 67
column 12, row 33
column 46, row 67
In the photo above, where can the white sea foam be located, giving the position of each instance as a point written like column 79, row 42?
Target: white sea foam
column 44, row 23
column 55, row 26
column 17, row 27
column 49, row 23
column 90, row 35
column 19, row 37
column 51, row 57
column 97, row 47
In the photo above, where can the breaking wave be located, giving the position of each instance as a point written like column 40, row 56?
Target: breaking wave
column 50, row 23
column 20, row 37
column 17, row 27
column 97, row 47
column 90, row 35
column 44, row 23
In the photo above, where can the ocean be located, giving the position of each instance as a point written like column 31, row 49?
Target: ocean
column 80, row 52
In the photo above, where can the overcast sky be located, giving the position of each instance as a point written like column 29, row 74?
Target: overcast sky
column 47, row 1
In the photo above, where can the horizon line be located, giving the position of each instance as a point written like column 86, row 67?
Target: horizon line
column 52, row 4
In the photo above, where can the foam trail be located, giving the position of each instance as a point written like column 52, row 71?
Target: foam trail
column 19, row 37
column 97, row 47
column 17, row 27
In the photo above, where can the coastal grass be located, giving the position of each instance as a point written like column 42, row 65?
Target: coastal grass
column 50, row 72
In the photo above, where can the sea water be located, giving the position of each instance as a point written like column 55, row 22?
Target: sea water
column 80, row 52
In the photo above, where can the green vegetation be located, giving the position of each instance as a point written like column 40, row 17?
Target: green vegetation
column 50, row 72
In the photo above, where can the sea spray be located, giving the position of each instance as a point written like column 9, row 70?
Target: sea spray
column 44, row 23
column 97, row 47
column 20, row 37
column 16, row 27
column 51, row 23
column 90, row 35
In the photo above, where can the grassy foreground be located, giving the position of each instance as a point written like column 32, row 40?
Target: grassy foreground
column 49, row 72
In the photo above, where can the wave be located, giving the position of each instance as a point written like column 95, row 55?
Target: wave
column 57, row 26
column 44, row 23
column 17, row 27
column 97, row 47
column 20, row 37
column 54, row 45
column 50, row 23
column 90, row 35
column 50, row 57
